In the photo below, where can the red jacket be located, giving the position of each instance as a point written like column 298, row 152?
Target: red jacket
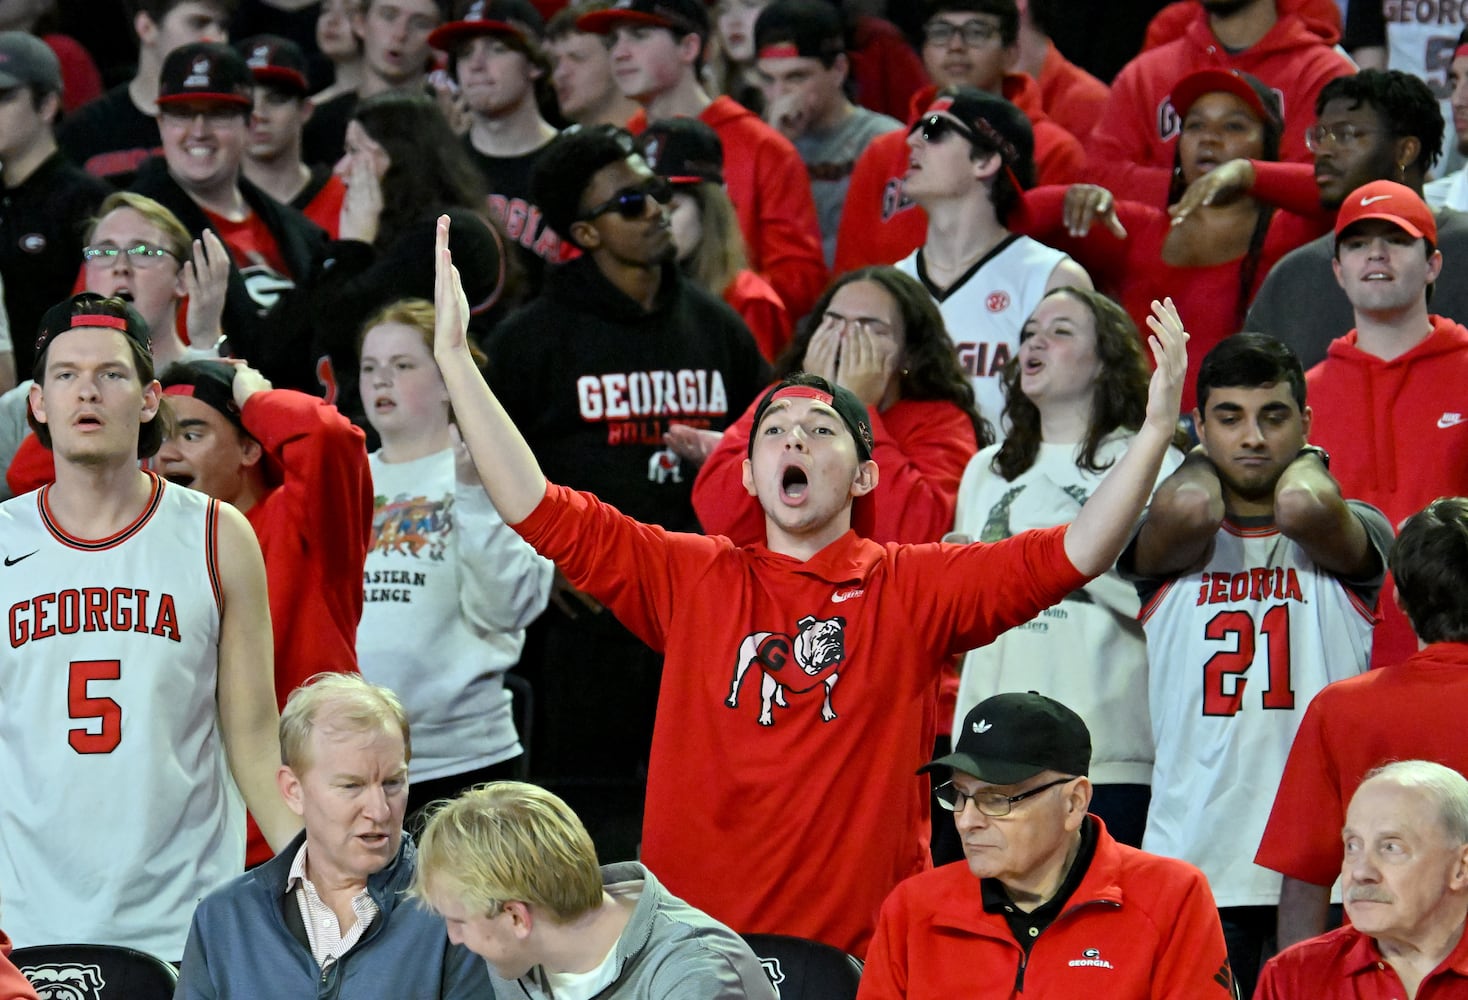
column 1411, row 711
column 1380, row 420
column 1138, row 927
column 1322, row 17
column 752, row 812
column 762, row 311
column 885, row 70
column 13, row 986
column 920, row 446
column 770, row 189
column 879, row 226
column 1346, row 965
column 314, row 531
column 1073, row 98
column 1131, row 150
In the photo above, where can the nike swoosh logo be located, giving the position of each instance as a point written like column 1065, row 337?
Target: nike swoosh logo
column 1374, row 200
column 1445, row 421
column 11, row 562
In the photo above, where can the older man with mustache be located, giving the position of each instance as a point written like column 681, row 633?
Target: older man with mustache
column 1405, row 883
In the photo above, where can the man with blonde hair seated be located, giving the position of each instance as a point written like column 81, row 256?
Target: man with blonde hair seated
column 328, row 915
column 514, row 875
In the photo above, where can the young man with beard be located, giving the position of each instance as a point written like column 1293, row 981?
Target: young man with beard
column 756, row 744
column 496, row 57
column 586, row 91
column 273, row 154
column 617, row 348
column 1258, row 584
column 137, row 683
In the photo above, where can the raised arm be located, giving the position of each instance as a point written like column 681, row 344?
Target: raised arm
column 507, row 467
column 248, row 719
column 1095, row 538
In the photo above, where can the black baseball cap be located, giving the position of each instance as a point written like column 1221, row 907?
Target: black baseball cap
column 27, row 61
column 276, row 62
column 88, row 309
column 683, row 16
column 206, row 71
column 210, row 382
column 684, row 150
column 802, row 385
column 789, row 29
column 515, row 20
column 1013, row 736
column 994, row 122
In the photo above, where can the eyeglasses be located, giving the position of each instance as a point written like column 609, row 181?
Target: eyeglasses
column 138, row 254
column 631, row 203
column 974, row 32
column 935, row 128
column 989, row 803
column 1337, row 135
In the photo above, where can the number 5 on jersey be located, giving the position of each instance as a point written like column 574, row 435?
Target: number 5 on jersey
column 103, row 731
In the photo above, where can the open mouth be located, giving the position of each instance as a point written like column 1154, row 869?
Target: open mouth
column 383, row 404
column 179, row 478
column 794, row 482
column 126, row 294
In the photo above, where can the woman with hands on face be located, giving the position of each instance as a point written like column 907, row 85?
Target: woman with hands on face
column 878, row 333
column 1212, row 249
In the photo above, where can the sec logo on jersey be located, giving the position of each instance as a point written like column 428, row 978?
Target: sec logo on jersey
column 997, row 302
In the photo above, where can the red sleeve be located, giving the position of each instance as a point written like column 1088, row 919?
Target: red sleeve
column 1121, row 145
column 1290, row 186
column 1273, row 983
column 32, row 467
column 1302, row 838
column 921, row 452
column 762, row 311
column 873, row 228
column 1059, row 156
column 884, row 977
column 321, row 459
column 13, row 986
column 1109, row 261
column 723, row 505
column 785, row 247
column 1193, row 957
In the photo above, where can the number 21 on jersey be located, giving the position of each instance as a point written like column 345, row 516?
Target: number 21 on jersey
column 1226, row 675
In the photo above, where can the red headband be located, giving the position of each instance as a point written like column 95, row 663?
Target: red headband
column 1460, row 52
column 803, row 392
column 780, row 50
column 182, row 389
column 98, row 319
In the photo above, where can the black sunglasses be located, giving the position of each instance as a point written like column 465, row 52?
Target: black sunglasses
column 934, row 127
column 631, row 203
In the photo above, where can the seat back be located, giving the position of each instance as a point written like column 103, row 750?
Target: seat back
column 806, row 970
column 95, row 972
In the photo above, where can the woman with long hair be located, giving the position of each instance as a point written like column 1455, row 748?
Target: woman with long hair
column 877, row 332
column 1076, row 392
column 1210, row 258
column 464, row 585
column 706, row 232
column 403, row 167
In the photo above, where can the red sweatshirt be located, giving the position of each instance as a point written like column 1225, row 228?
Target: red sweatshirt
column 762, row 311
column 1131, row 149
column 1397, row 433
column 1073, row 98
column 770, row 189
column 879, row 226
column 921, row 448
column 13, row 986
column 313, row 530
column 779, row 800
column 1346, row 965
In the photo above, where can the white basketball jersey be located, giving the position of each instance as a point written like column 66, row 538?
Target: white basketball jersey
column 117, row 809
column 1235, row 653
column 986, row 309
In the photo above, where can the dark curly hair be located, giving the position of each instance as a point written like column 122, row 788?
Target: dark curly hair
column 930, row 364
column 1119, row 400
column 428, row 169
column 1403, row 102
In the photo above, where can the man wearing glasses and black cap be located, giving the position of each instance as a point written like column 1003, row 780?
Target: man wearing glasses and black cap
column 1045, row 902
column 617, row 349
column 971, row 154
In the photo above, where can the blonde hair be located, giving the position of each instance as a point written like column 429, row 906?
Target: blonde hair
column 416, row 314
column 509, row 841
column 180, row 243
column 353, row 704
